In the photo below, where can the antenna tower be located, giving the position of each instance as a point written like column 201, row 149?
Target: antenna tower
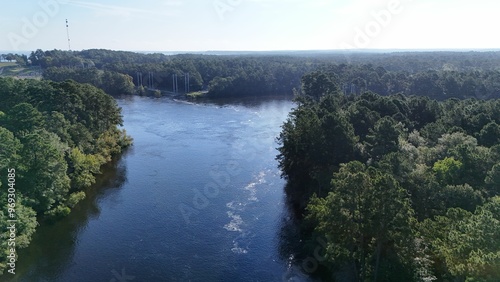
column 67, row 32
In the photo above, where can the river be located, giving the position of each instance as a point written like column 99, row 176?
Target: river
column 197, row 198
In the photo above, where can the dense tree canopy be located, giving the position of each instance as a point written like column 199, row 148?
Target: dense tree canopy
column 439, row 75
column 393, row 181
column 56, row 136
column 403, row 184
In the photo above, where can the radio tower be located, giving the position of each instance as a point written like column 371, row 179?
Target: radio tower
column 67, row 32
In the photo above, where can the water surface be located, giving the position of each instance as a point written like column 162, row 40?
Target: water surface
column 197, row 198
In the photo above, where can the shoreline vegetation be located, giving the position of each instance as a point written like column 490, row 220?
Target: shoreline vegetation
column 400, row 188
column 56, row 136
column 197, row 94
column 392, row 159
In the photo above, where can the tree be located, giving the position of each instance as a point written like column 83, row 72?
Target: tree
column 470, row 248
column 318, row 84
column 58, row 124
column 25, row 228
column 316, row 139
column 447, row 170
column 338, row 139
column 219, row 86
column 83, row 169
column 36, row 57
column 490, row 134
column 492, row 180
column 447, row 174
column 366, row 215
column 299, row 145
column 50, row 132
column 24, row 118
column 9, row 148
column 44, row 181
column 362, row 118
column 384, row 137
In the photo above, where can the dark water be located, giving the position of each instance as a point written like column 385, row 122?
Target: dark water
column 198, row 198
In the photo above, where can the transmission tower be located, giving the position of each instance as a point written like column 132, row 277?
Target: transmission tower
column 150, row 80
column 139, row 79
column 67, row 32
column 186, row 82
column 175, row 85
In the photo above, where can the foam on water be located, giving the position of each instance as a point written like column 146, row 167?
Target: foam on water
column 240, row 244
column 235, row 224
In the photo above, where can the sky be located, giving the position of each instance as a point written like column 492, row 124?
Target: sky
column 249, row 25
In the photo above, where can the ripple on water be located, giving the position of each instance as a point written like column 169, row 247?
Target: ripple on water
column 236, row 206
column 241, row 243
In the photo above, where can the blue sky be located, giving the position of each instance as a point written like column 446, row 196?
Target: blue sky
column 202, row 25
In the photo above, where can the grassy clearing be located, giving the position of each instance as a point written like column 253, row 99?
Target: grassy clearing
column 15, row 70
column 7, row 64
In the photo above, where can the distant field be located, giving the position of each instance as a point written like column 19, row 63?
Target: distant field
column 7, row 64
column 14, row 70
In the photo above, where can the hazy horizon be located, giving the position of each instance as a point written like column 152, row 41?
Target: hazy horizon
column 287, row 52
column 249, row 25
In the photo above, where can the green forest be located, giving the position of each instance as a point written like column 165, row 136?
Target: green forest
column 392, row 158
column 401, row 188
column 439, row 75
column 54, row 137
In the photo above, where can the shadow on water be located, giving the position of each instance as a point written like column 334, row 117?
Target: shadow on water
column 53, row 244
column 298, row 245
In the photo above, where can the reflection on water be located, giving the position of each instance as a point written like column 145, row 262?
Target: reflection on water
column 198, row 198
column 52, row 247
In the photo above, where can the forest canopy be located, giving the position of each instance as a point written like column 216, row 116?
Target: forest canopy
column 402, row 188
column 55, row 136
column 440, row 75
column 393, row 159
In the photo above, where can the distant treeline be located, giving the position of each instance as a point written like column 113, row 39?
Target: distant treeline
column 439, row 75
column 55, row 136
column 400, row 188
